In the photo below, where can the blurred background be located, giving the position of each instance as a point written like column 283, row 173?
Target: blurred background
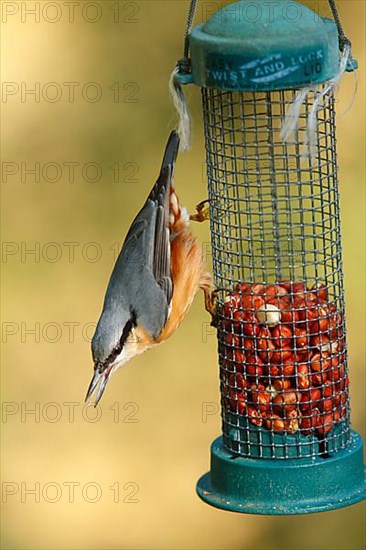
column 86, row 113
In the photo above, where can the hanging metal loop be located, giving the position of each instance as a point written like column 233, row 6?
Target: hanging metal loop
column 190, row 19
column 184, row 64
column 343, row 40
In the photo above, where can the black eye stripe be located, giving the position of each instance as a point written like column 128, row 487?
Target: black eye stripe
column 117, row 350
column 125, row 333
column 133, row 317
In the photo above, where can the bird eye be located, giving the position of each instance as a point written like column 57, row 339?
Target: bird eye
column 99, row 367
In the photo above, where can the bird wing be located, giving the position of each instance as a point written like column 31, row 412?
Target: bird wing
column 145, row 257
column 161, row 267
column 147, row 247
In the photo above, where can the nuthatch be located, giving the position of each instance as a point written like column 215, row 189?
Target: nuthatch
column 155, row 278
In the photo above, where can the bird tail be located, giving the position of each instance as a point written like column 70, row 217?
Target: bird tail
column 165, row 180
column 171, row 151
column 176, row 217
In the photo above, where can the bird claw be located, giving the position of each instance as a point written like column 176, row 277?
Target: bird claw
column 211, row 305
column 203, row 213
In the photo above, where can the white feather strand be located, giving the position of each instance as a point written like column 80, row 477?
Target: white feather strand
column 179, row 100
column 291, row 119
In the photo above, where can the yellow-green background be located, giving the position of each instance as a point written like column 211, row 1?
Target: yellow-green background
column 168, row 449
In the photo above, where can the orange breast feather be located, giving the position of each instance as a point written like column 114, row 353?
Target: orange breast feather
column 188, row 273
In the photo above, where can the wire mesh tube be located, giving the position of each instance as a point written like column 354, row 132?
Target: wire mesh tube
column 276, row 251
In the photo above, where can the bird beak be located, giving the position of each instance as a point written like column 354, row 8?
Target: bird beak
column 100, row 378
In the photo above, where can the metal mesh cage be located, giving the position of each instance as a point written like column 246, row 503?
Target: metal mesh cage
column 277, row 263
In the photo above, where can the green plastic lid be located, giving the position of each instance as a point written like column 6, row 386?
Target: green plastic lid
column 264, row 45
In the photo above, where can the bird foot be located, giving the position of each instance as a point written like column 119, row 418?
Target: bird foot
column 211, row 305
column 203, row 213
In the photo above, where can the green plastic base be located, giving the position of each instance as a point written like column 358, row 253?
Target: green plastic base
column 282, row 487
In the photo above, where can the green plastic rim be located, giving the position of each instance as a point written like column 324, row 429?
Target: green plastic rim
column 284, row 486
column 264, row 46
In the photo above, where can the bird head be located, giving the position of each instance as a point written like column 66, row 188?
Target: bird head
column 113, row 344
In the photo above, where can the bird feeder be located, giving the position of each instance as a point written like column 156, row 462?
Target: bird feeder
column 287, row 445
